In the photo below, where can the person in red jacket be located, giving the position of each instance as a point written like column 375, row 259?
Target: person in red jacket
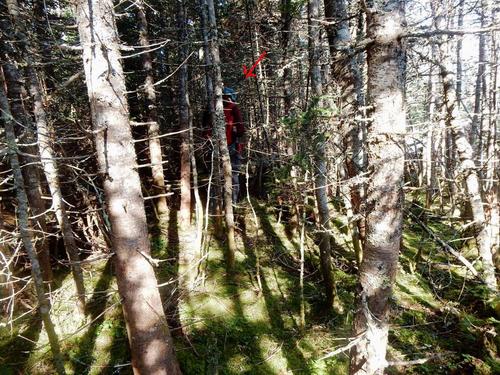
column 235, row 131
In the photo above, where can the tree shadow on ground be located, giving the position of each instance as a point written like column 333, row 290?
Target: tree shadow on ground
column 235, row 341
column 289, row 337
column 119, row 362
column 15, row 352
column 94, row 308
column 168, row 274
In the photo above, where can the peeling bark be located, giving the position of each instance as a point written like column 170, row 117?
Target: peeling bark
column 386, row 65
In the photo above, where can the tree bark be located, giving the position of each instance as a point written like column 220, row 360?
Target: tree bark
column 184, row 119
column 214, row 201
column 317, row 126
column 220, row 133
column 25, row 231
column 477, row 117
column 386, row 66
column 286, row 19
column 430, row 141
column 155, row 154
column 150, row 341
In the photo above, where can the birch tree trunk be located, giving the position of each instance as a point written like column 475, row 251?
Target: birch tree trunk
column 47, row 154
column 386, row 131
column 25, row 231
column 150, row 341
column 155, row 154
column 317, row 126
column 220, row 133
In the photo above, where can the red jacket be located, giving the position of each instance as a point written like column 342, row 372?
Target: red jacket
column 234, row 124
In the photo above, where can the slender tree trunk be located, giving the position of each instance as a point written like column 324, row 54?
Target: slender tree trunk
column 386, row 66
column 319, row 152
column 491, row 186
column 214, row 201
column 155, row 154
column 466, row 162
column 460, row 25
column 52, row 175
column 47, row 154
column 286, row 19
column 184, row 118
column 150, row 341
column 25, row 231
column 430, row 141
column 220, row 133
column 481, row 69
column 15, row 93
column 348, row 80
column 196, row 191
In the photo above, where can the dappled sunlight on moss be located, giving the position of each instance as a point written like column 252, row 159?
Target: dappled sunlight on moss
column 410, row 292
column 230, row 326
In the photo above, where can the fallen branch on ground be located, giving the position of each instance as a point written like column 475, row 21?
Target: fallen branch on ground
column 447, row 247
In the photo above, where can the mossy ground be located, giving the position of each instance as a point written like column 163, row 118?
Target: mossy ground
column 232, row 323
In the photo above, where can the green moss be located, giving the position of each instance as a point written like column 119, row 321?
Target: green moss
column 238, row 324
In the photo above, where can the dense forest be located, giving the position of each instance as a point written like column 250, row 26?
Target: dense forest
column 249, row 186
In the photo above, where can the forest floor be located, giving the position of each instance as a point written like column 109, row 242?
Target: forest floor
column 248, row 321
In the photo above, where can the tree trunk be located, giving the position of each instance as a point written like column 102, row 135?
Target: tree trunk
column 220, row 133
column 386, row 65
column 430, row 141
column 348, row 80
column 184, row 119
column 15, row 93
column 460, row 25
column 155, row 154
column 481, row 69
column 52, row 175
column 47, row 154
column 25, row 231
column 214, row 201
column 286, row 19
column 150, row 341
column 317, row 126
